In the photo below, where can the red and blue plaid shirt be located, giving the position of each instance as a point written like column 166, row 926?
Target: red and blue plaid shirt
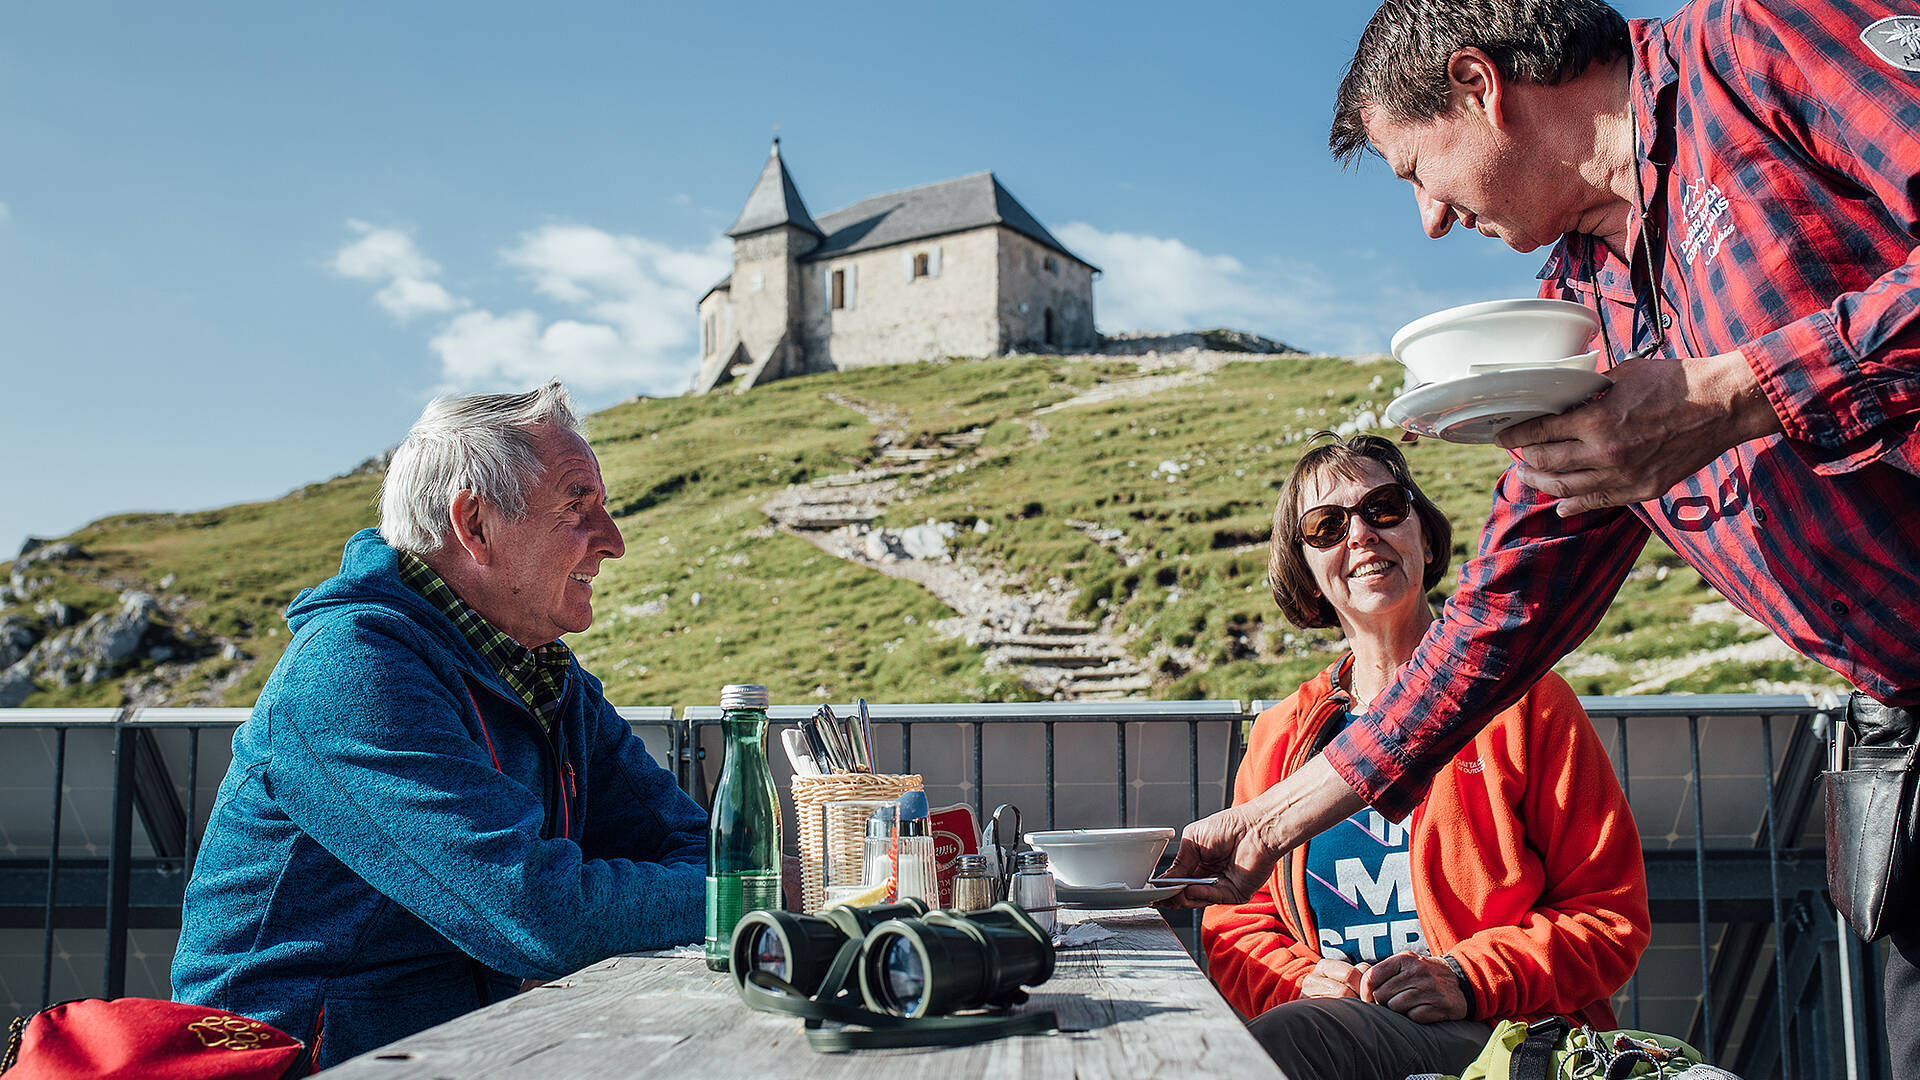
column 1779, row 151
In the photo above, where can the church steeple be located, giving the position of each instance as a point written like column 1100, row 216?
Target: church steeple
column 774, row 201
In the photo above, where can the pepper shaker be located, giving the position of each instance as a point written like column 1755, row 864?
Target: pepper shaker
column 973, row 884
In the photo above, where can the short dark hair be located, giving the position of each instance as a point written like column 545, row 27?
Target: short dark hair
column 1287, row 572
column 1400, row 65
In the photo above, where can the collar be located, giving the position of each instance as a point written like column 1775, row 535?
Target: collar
column 515, row 663
column 1654, row 78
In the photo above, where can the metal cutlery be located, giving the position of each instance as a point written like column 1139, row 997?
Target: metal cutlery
column 862, row 738
column 834, row 738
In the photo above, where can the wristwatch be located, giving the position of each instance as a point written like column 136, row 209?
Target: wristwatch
column 1460, row 974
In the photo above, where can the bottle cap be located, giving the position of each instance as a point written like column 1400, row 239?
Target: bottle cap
column 914, row 820
column 881, row 823
column 1029, row 860
column 743, row 696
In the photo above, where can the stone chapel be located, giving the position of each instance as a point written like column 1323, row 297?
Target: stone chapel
column 957, row 268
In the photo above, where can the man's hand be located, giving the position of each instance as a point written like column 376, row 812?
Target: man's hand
column 1227, row 846
column 1662, row 421
column 1333, row 979
column 1421, row 988
column 1240, row 844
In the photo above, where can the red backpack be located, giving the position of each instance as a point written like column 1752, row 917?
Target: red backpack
column 145, row 1039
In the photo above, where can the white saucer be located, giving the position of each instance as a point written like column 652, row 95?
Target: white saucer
column 1476, row 408
column 1103, row 897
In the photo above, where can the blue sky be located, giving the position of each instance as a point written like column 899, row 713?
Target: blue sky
column 241, row 245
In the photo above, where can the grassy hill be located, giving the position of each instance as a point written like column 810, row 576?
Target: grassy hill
column 1179, row 483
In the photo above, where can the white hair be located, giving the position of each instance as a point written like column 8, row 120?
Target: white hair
column 482, row 443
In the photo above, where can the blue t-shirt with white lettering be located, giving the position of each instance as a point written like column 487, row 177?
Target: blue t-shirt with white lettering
column 1360, row 887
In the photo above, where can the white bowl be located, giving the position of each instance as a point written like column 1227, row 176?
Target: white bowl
column 1087, row 857
column 1493, row 335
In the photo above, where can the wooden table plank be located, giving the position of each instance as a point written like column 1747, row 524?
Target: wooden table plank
column 1132, row 1005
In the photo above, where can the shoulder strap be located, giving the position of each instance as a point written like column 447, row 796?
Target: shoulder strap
column 1533, row 1058
column 14, row 1033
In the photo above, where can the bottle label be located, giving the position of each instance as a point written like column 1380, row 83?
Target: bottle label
column 731, row 896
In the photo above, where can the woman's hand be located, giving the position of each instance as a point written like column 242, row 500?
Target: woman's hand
column 1333, row 979
column 1421, row 988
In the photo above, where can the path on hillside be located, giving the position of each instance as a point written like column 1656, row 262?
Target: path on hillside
column 1020, row 627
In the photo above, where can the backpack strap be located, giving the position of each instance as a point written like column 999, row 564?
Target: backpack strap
column 15, row 1032
column 1533, row 1058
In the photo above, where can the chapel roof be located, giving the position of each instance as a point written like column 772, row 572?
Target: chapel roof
column 774, row 201
column 950, row 206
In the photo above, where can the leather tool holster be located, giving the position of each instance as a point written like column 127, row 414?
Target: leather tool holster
column 1873, row 818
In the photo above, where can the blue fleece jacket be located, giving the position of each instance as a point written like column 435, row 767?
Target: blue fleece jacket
column 398, row 841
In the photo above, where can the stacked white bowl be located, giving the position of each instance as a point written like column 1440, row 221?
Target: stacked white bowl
column 1092, row 858
column 1496, row 336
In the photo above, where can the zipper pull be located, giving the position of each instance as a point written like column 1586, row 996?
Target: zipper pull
column 573, row 790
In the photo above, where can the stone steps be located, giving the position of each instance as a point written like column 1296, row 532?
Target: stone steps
column 1069, row 659
column 1054, row 658
column 1107, row 687
column 869, row 476
column 826, row 522
column 1041, row 639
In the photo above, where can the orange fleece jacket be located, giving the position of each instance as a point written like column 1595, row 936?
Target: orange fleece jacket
column 1526, row 866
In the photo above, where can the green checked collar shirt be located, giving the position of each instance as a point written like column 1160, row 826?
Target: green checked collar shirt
column 539, row 675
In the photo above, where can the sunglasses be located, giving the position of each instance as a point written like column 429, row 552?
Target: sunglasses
column 1383, row 508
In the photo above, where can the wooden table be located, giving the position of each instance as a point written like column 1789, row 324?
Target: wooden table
column 1132, row 1005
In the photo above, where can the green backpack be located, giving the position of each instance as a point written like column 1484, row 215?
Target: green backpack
column 1553, row 1049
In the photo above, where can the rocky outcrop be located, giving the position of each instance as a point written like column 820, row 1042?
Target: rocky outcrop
column 96, row 650
column 30, row 570
column 145, row 643
column 1234, row 341
column 17, row 635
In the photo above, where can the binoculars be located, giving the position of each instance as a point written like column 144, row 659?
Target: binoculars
column 909, row 962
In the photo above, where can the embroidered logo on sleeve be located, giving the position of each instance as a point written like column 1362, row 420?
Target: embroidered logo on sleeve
column 1703, row 206
column 1895, row 39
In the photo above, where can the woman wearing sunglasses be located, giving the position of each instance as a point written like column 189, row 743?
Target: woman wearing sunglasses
column 1515, row 890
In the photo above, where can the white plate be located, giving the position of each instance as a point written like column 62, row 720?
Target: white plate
column 1479, row 407
column 1104, row 897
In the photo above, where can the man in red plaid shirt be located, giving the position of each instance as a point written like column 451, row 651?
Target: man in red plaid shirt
column 1736, row 191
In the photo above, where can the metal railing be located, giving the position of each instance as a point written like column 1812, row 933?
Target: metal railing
column 1724, row 788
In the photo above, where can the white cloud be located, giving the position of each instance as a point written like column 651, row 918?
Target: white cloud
column 389, row 255
column 5, row 213
column 1163, row 284
column 479, row 350
column 625, row 320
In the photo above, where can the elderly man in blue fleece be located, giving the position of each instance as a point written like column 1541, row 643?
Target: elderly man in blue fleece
column 433, row 801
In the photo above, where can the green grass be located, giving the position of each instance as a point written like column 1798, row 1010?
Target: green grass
column 687, row 477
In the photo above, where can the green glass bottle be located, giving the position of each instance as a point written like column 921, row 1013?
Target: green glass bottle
column 743, row 832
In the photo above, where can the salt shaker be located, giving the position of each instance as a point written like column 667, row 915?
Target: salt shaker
column 877, row 864
column 914, row 861
column 973, row 884
column 1032, row 888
